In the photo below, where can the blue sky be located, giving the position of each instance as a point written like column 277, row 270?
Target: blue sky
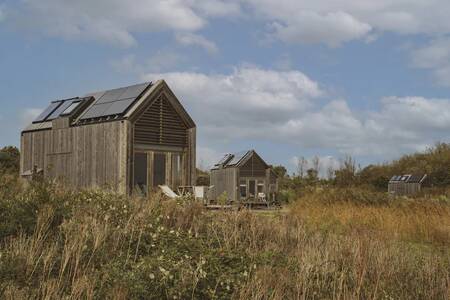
column 288, row 78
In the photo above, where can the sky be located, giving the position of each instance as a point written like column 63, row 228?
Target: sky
column 288, row 78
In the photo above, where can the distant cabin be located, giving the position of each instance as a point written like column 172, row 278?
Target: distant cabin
column 403, row 185
column 243, row 176
column 133, row 137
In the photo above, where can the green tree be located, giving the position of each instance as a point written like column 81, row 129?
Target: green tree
column 280, row 171
column 9, row 160
column 346, row 175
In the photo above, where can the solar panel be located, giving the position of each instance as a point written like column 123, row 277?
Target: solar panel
column 96, row 111
column 134, row 91
column 237, row 157
column 64, row 105
column 225, row 159
column 118, row 107
column 112, row 95
column 44, row 115
column 115, row 102
column 73, row 105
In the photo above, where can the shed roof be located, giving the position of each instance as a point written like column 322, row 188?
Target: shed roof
column 408, row 178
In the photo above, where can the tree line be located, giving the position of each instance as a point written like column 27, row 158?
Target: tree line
column 435, row 162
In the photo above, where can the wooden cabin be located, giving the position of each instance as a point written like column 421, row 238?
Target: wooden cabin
column 404, row 185
column 138, row 136
column 243, row 176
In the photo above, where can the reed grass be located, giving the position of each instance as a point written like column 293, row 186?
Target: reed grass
column 59, row 244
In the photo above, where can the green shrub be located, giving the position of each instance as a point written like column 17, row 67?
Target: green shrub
column 222, row 199
column 60, row 244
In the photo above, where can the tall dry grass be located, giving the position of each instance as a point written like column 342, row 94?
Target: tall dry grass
column 96, row 245
column 423, row 221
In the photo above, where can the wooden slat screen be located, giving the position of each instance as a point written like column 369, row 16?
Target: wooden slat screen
column 160, row 125
column 253, row 167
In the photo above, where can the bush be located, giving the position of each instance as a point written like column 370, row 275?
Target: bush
column 9, row 160
column 340, row 244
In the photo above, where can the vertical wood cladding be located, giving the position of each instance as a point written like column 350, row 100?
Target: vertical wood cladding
column 84, row 156
column 225, row 180
column 160, row 124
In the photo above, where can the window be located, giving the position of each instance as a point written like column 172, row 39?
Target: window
column 70, row 109
column 260, row 186
column 243, row 189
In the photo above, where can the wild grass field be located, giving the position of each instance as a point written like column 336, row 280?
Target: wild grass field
column 329, row 244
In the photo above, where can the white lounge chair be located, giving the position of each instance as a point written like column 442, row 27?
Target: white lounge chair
column 168, row 192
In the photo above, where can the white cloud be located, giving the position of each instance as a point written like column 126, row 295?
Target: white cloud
column 333, row 28
column 333, row 22
column 28, row 115
column 163, row 60
column 293, row 21
column 2, row 13
column 276, row 106
column 158, row 62
column 114, row 21
column 225, row 103
column 217, row 8
column 207, row 157
column 127, row 64
column 436, row 57
column 191, row 39
column 118, row 21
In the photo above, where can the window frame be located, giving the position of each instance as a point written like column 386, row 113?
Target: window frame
column 243, row 184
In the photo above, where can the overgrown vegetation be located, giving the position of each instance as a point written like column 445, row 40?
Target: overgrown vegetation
column 58, row 244
column 435, row 162
column 342, row 238
column 9, row 160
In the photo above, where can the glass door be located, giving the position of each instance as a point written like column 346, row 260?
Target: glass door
column 159, row 169
column 140, row 171
column 252, row 188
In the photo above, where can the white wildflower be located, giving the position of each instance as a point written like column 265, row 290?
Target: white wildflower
column 164, row 271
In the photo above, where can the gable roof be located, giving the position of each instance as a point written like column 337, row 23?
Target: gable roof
column 110, row 105
column 237, row 159
column 113, row 104
column 408, row 178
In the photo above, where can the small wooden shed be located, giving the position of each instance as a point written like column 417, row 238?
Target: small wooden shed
column 243, row 176
column 138, row 136
column 408, row 184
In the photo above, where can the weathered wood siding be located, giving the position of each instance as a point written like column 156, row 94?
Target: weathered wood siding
column 404, row 188
column 191, row 162
column 225, row 180
column 83, row 156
